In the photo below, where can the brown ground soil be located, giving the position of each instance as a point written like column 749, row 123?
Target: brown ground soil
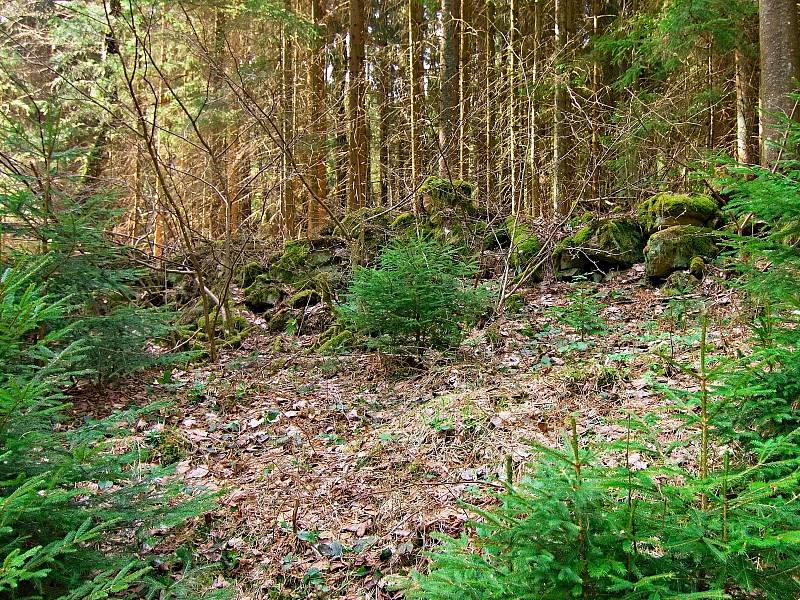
column 336, row 470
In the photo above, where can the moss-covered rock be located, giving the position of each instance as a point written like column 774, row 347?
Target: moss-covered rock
column 525, row 245
column 305, row 298
column 697, row 266
column 438, row 193
column 674, row 248
column 405, row 220
column 280, row 320
column 249, row 272
column 264, row 294
column 666, row 209
column 599, row 245
column 680, row 283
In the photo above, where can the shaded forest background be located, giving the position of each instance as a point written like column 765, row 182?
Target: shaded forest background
column 211, row 119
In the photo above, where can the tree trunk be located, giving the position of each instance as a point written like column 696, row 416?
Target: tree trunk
column 464, row 90
column 746, row 106
column 483, row 131
column 513, row 186
column 317, row 155
column 564, row 31
column 415, row 92
column 780, row 66
column 358, row 144
column 449, row 90
column 288, row 210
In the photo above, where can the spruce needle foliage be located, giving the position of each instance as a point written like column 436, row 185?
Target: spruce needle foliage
column 419, row 296
column 723, row 521
column 73, row 511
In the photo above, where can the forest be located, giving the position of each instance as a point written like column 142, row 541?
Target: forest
column 414, row 299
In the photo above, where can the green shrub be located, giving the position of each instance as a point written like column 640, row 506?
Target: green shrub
column 85, row 267
column 582, row 311
column 713, row 515
column 419, row 296
column 63, row 493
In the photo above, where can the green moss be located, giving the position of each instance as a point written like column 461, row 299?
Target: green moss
column 439, row 193
column 697, row 266
column 599, row 244
column 305, row 298
column 404, row 220
column 583, row 234
column 621, row 237
column 667, row 210
column 279, row 321
column 336, row 342
column 679, row 283
column 236, row 339
column 674, row 248
column 249, row 272
column 263, row 295
column 515, row 302
column 524, row 243
column 171, row 446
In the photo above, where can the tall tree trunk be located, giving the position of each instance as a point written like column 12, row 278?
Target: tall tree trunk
column 384, row 111
column 780, row 67
column 358, row 143
column 746, row 106
column 465, row 30
column 288, row 208
column 511, row 107
column 595, row 111
column 562, row 171
column 416, row 92
column 485, row 158
column 449, row 90
column 317, row 156
column 341, row 158
column 533, row 190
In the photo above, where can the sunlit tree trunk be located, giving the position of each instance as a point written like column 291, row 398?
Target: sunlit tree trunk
column 316, row 83
column 448, row 111
column 562, row 171
column 485, row 163
column 746, row 105
column 358, row 142
column 288, row 208
column 780, row 66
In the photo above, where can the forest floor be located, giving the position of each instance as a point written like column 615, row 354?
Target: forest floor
column 336, row 470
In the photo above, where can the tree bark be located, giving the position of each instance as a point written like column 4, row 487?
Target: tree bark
column 780, row 67
column 449, row 90
column 415, row 92
column 288, row 210
column 746, row 106
column 317, row 155
column 564, row 31
column 358, row 143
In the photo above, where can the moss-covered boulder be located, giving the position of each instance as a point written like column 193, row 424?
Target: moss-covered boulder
column 280, row 320
column 439, row 193
column 249, row 272
column 680, row 283
column 305, row 298
column 525, row 246
column 404, row 220
column 263, row 294
column 667, row 210
column 599, row 245
column 674, row 248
